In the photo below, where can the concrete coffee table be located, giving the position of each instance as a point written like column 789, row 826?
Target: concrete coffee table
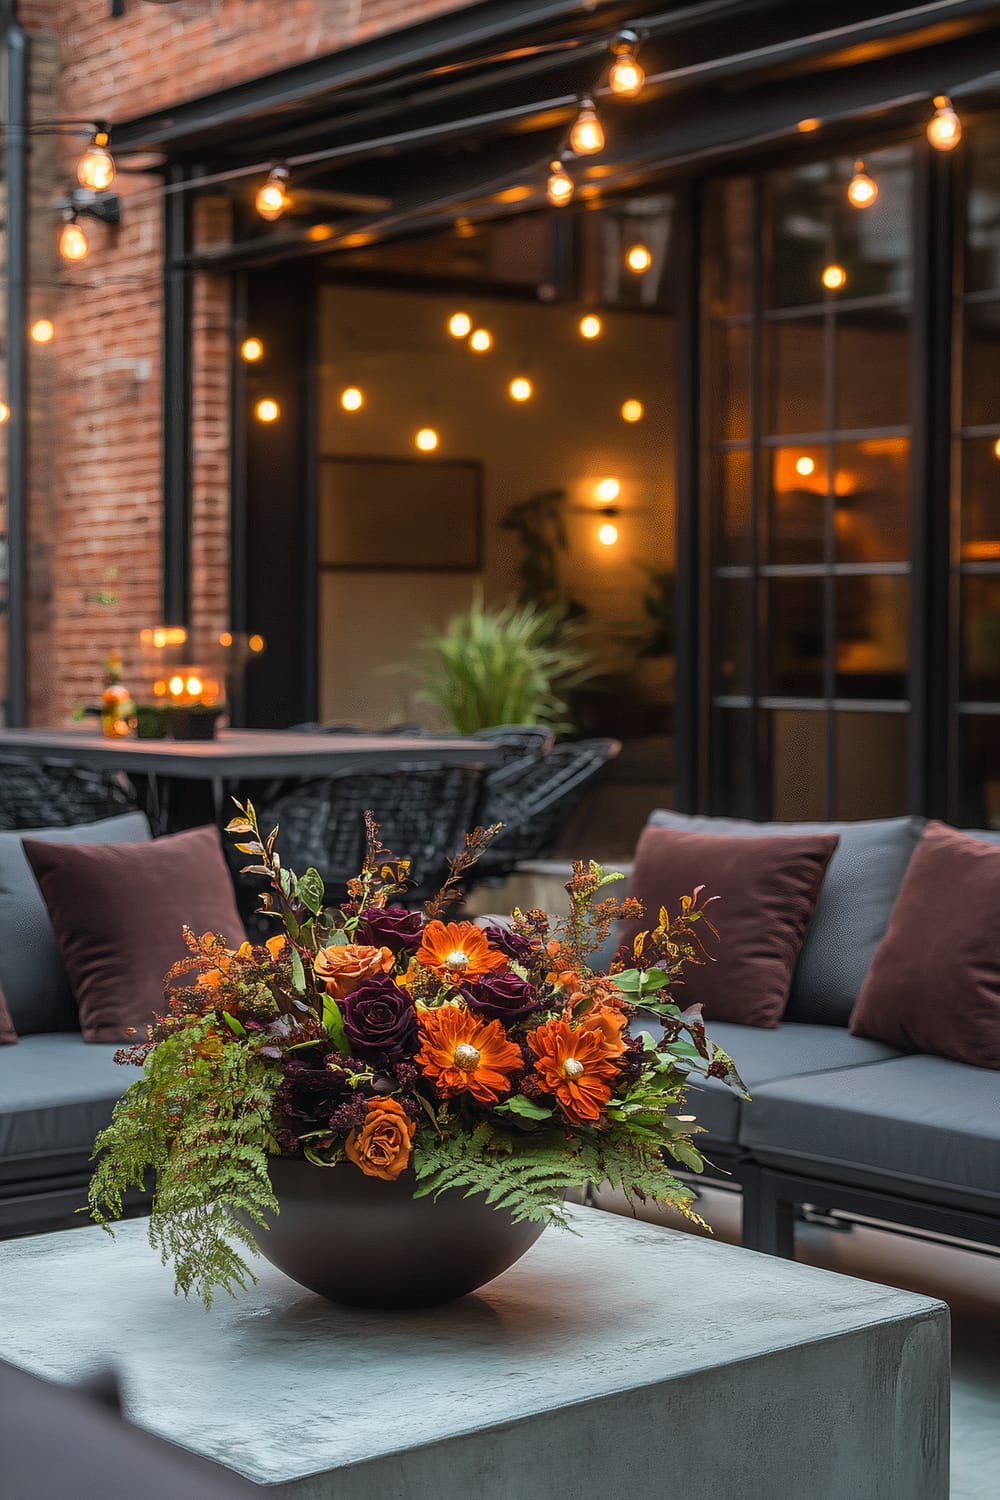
column 627, row 1360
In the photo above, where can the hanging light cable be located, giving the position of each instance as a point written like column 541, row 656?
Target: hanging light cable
column 626, row 77
column 944, row 128
column 587, row 133
column 96, row 167
column 273, row 198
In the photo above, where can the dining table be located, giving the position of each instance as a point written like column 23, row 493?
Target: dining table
column 185, row 782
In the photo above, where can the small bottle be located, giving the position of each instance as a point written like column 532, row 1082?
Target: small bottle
column 117, row 707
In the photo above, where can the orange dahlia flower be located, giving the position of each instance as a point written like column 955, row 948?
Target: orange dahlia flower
column 578, row 1067
column 461, row 1054
column 458, row 950
column 609, row 1024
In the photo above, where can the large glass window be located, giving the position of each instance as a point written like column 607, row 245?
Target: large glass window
column 807, row 411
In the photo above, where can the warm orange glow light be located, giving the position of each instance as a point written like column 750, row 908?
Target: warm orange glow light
column 460, row 325
column 226, row 638
column 996, row 446
column 607, row 489
column 267, row 410
column 159, row 689
column 96, row 168
column 607, row 534
column 807, row 126
column 862, row 190
column 273, row 199
column 638, row 258
column 590, row 326
column 256, row 643
column 43, row 331
column 427, row 439
column 834, row 277
column 481, row 341
column 805, row 466
column 252, row 350
column 194, row 686
column 521, row 389
column 626, row 77
column 352, row 399
column 176, row 686
column 944, row 129
column 4, row 412
column 632, row 410
column 559, row 188
column 73, row 243
column 587, row 134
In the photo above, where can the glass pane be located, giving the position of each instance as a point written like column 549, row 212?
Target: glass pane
column 980, row 664
column 733, row 756
column 798, row 763
column 871, row 769
column 729, row 246
column 873, row 635
column 874, row 244
column 982, row 256
column 733, row 635
column 872, row 506
column 795, row 637
column 980, row 386
column 980, row 500
column 873, row 368
column 796, row 505
column 731, row 491
column 797, row 214
column 794, row 377
column 979, row 779
column 729, row 384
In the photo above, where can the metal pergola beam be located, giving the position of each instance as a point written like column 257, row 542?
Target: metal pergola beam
column 16, row 43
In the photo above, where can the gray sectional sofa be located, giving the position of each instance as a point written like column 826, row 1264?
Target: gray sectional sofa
column 837, row 1120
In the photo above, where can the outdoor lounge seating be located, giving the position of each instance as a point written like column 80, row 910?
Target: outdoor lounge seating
column 34, row 795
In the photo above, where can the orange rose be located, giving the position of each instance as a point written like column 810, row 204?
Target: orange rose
column 381, row 1146
column 342, row 969
column 609, row 1024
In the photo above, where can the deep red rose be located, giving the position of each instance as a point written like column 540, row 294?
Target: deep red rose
column 510, row 943
column 380, row 1021
column 392, row 927
column 502, row 996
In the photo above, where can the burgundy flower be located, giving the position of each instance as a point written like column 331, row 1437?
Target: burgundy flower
column 392, row 927
column 503, row 996
column 510, row 943
column 380, row 1021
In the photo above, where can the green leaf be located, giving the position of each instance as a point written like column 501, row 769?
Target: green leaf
column 333, row 1020
column 235, row 1026
column 518, row 1104
column 310, row 891
column 298, row 973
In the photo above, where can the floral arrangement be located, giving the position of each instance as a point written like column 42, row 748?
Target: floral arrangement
column 488, row 1060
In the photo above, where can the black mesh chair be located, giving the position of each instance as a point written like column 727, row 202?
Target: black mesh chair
column 423, row 807
column 535, row 803
column 35, row 794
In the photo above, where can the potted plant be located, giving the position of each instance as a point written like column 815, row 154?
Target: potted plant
column 390, row 1106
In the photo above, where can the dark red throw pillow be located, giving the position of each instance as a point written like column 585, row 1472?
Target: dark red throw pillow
column 7, row 1032
column 768, row 889
column 117, row 911
column 934, row 982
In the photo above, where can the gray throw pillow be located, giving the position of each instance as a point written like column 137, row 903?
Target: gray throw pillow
column 32, row 977
column 862, row 881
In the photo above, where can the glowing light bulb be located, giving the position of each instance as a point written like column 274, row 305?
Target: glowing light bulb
column 352, row 399
column 862, row 190
column 73, row 243
column 256, row 644
column 427, row 439
column 590, row 326
column 805, row 466
column 96, row 168
column 459, row 325
column 944, row 128
column 608, row 489
column 252, row 350
column 176, row 686
column 42, row 331
column 834, row 277
column 607, row 534
column 626, row 77
column 194, row 686
column 521, row 389
column 481, row 340
column 638, row 258
column 996, row 445
column 226, row 638
column 632, row 410
column 267, row 410
column 587, row 134
column 559, row 189
column 273, row 198
column 4, row 412
column 807, row 126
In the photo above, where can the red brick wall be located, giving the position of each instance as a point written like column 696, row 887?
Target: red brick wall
column 95, row 428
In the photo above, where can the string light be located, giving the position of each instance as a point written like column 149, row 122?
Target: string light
column 806, row 127
column 481, row 340
column 632, row 410
column 590, row 326
column 267, row 410
column 944, row 129
column 521, row 389
column 256, row 644
column 805, row 466
column 626, row 77
column 273, row 198
column 587, row 134
column 427, row 439
column 460, row 325
column 638, row 258
column 862, row 190
column 4, row 412
column 73, row 243
column 96, row 167
column 42, row 331
column 559, row 189
column 608, row 489
column 252, row 350
column 996, row 445
column 607, row 534
column 834, row 277
column 352, row 399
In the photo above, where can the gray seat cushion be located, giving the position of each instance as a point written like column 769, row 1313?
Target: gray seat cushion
column 925, row 1127
column 852, row 914
column 56, row 1093
column 32, row 976
column 791, row 1051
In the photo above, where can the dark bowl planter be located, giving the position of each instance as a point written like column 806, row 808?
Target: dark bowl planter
column 368, row 1243
column 192, row 723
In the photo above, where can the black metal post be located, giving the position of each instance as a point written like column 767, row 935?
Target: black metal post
column 688, row 701
column 17, row 366
column 176, row 406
